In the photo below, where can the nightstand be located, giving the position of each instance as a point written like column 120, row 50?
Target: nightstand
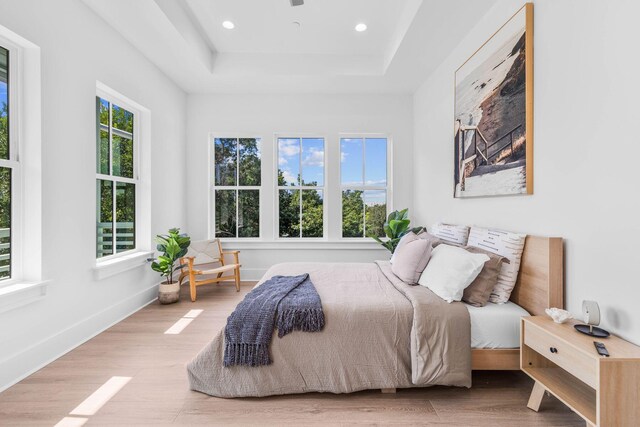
column 605, row 391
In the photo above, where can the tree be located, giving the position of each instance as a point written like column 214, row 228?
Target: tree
column 5, row 184
column 242, row 155
column 290, row 221
column 375, row 216
column 312, row 213
column 352, row 213
column 249, row 200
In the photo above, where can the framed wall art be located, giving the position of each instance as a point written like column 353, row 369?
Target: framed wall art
column 494, row 113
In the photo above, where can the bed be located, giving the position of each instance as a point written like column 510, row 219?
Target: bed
column 383, row 334
column 540, row 285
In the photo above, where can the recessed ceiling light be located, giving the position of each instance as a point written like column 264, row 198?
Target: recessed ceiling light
column 361, row 27
column 228, row 25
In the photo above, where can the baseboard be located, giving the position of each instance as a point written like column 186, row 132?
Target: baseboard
column 24, row 363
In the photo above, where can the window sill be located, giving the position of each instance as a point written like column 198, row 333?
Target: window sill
column 20, row 294
column 111, row 267
column 283, row 244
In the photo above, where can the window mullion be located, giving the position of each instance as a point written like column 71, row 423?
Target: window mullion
column 300, row 183
column 110, row 140
column 364, row 183
column 113, row 217
column 113, row 183
column 9, row 163
column 237, row 186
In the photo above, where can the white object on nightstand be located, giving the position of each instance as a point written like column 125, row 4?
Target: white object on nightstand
column 558, row 315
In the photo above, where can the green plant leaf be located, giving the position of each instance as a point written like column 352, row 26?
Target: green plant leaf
column 398, row 226
column 172, row 247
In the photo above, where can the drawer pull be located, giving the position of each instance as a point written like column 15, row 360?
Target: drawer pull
column 553, row 349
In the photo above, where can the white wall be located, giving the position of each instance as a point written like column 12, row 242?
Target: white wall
column 585, row 149
column 78, row 49
column 267, row 115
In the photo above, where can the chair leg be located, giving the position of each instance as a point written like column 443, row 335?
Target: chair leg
column 237, row 277
column 192, row 286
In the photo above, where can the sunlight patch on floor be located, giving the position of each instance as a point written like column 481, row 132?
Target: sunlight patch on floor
column 93, row 403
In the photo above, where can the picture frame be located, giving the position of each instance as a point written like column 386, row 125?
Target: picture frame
column 493, row 113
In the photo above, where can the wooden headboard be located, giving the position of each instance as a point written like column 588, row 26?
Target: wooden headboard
column 541, row 279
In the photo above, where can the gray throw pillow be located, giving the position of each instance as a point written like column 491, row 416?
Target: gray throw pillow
column 435, row 241
column 479, row 291
column 411, row 257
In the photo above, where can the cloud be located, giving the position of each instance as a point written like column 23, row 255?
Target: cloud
column 314, row 157
column 288, row 147
column 289, row 177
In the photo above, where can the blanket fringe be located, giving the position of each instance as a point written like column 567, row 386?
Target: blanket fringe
column 306, row 320
column 246, row 354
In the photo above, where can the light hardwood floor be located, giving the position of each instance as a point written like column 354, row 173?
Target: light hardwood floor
column 158, row 393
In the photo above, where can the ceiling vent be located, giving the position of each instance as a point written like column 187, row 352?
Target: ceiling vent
column 296, row 2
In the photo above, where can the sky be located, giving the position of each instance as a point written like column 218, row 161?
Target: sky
column 3, row 83
column 3, row 95
column 374, row 153
column 305, row 153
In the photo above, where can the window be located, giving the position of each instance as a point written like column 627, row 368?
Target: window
column 8, row 169
column 236, row 187
column 116, row 178
column 300, row 187
column 364, row 186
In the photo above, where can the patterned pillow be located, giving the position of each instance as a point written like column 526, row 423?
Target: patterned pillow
column 508, row 245
column 457, row 234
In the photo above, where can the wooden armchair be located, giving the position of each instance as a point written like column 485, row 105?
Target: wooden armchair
column 208, row 252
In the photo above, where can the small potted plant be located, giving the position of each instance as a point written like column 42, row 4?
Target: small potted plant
column 172, row 247
column 396, row 226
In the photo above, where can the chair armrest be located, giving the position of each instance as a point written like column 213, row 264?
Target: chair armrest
column 186, row 261
column 234, row 253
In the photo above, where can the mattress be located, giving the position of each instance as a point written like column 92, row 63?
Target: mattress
column 496, row 325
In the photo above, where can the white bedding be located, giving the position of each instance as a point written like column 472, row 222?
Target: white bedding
column 496, row 325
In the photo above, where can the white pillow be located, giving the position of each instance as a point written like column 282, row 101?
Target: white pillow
column 508, row 245
column 457, row 234
column 450, row 270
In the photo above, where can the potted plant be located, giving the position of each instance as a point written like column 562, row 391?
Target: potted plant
column 172, row 247
column 396, row 226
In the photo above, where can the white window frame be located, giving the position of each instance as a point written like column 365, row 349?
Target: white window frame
column 14, row 163
column 213, row 187
column 25, row 103
column 323, row 188
column 388, row 188
column 141, row 178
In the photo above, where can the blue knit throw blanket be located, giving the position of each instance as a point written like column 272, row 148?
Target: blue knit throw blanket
column 289, row 303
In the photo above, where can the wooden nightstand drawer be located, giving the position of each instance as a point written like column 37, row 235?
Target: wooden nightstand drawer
column 569, row 358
